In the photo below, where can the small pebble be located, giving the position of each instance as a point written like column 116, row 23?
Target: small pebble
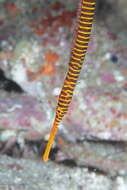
column 106, row 56
column 118, row 76
column 56, row 91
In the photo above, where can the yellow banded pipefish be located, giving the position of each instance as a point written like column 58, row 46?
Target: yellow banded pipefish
column 85, row 16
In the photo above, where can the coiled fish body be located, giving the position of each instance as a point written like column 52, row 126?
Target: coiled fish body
column 79, row 48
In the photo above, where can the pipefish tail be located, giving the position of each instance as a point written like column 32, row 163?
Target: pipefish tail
column 85, row 16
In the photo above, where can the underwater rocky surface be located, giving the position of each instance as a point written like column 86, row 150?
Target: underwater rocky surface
column 35, row 42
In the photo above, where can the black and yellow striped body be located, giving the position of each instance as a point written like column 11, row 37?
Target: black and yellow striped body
column 79, row 48
column 82, row 35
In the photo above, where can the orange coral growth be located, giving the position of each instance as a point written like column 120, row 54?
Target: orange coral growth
column 50, row 24
column 65, row 19
column 39, row 31
column 57, row 5
column 61, row 141
column 51, row 57
column 125, row 84
column 49, row 68
column 11, row 8
column 29, row 72
column 35, row 9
